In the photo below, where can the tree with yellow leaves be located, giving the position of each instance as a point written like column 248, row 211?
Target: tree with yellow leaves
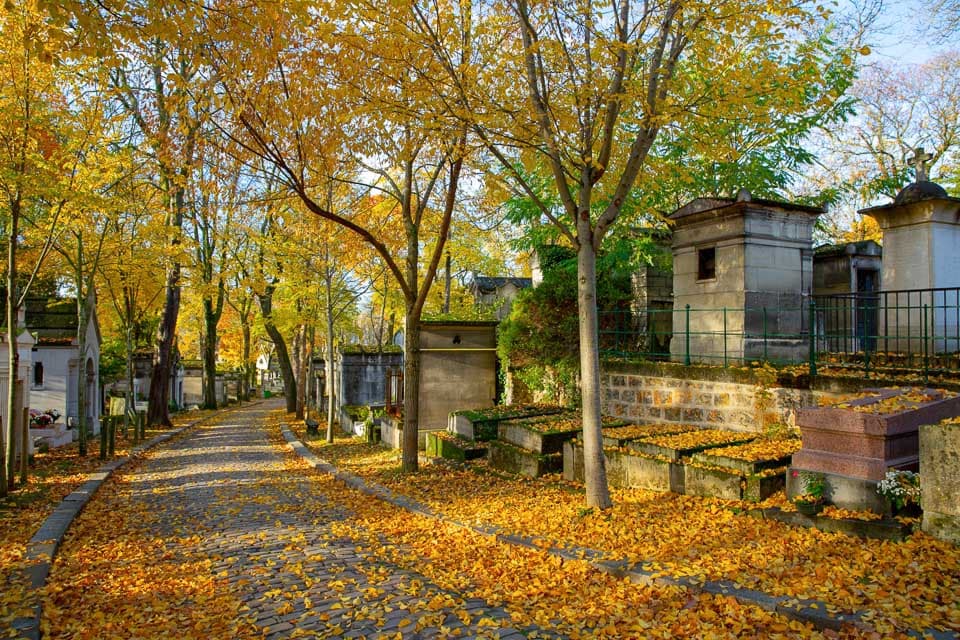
column 307, row 103
column 581, row 91
column 39, row 159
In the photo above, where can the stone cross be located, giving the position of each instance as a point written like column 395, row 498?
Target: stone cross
column 919, row 162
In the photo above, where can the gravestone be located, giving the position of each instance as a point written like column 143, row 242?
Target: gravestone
column 940, row 470
column 854, row 444
column 753, row 258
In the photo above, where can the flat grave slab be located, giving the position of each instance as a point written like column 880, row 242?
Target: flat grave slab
column 682, row 445
column 620, row 436
column 546, row 434
column 481, row 424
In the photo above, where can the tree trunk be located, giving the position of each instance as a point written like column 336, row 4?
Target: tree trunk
column 283, row 356
column 158, row 410
column 300, row 358
column 7, row 440
column 131, row 398
column 595, row 473
column 210, row 322
column 411, row 388
column 247, row 369
column 328, row 367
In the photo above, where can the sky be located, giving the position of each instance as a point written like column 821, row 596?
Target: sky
column 900, row 38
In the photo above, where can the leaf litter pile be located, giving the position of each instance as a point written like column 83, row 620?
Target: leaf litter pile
column 902, row 585
column 114, row 578
column 52, row 476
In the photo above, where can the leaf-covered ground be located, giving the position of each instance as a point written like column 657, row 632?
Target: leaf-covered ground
column 912, row 584
column 224, row 533
column 52, row 476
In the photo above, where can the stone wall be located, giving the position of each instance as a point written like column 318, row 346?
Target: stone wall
column 715, row 399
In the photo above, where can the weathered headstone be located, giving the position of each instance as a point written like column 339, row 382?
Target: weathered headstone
column 940, row 476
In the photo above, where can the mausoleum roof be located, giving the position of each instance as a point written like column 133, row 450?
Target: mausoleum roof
column 923, row 190
column 743, row 201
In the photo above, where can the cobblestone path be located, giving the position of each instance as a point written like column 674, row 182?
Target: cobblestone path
column 267, row 525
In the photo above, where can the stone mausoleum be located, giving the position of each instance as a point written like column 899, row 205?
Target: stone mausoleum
column 921, row 266
column 744, row 267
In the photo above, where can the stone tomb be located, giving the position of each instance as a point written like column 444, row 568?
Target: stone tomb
column 745, row 269
column 854, row 443
column 646, row 457
column 482, row 424
column 921, row 233
column 534, row 446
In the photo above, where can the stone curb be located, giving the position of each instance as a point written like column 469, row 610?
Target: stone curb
column 43, row 546
column 810, row 611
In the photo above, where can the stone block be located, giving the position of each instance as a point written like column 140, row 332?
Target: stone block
column 845, row 492
column 442, row 445
column 535, row 439
column 846, row 442
column 507, row 457
column 940, row 485
column 730, row 485
column 626, row 470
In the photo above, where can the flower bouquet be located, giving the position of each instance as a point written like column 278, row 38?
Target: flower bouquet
column 43, row 419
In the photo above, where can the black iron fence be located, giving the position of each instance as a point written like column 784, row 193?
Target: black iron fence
column 916, row 329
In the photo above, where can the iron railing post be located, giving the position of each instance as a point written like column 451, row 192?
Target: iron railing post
column 724, row 336
column 813, row 339
column 686, row 359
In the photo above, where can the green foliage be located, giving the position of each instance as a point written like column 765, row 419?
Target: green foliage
column 113, row 360
column 540, row 340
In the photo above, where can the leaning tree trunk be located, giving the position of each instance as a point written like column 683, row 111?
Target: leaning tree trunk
column 158, row 410
column 595, row 473
column 283, row 356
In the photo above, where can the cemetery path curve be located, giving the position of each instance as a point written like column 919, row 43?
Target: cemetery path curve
column 222, row 517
